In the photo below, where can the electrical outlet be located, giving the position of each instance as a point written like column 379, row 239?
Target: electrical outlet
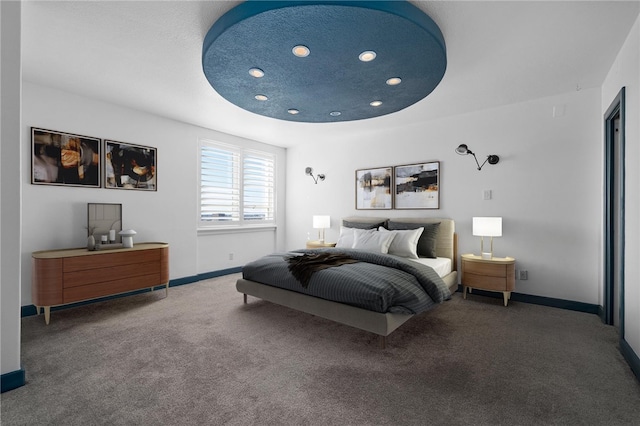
column 230, row 256
column 486, row 194
column 523, row 275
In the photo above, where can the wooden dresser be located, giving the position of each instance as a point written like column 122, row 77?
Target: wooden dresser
column 72, row 275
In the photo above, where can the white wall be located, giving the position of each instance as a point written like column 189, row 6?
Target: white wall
column 547, row 185
column 625, row 72
column 10, row 184
column 55, row 216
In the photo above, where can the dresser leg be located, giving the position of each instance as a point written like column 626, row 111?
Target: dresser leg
column 37, row 310
column 47, row 314
column 166, row 290
column 464, row 291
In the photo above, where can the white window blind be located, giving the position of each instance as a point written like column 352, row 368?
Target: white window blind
column 236, row 185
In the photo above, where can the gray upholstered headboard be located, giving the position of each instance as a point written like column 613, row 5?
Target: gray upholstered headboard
column 446, row 241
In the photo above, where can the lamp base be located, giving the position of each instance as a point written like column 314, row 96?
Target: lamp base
column 487, row 255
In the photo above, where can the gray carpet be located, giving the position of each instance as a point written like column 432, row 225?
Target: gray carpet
column 202, row 357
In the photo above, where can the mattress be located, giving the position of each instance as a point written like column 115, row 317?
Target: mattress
column 441, row 265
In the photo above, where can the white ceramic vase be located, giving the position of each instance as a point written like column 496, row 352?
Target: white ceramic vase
column 91, row 242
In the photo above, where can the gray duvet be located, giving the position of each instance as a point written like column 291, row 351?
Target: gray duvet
column 377, row 282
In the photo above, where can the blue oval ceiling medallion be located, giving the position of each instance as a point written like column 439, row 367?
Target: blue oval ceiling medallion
column 324, row 61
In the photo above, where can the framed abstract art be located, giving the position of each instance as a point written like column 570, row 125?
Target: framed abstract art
column 417, row 186
column 373, row 189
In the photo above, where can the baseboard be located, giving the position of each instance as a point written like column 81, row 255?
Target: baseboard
column 204, row 276
column 544, row 301
column 12, row 380
column 631, row 357
column 601, row 314
column 30, row 310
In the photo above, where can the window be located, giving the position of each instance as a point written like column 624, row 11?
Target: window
column 237, row 186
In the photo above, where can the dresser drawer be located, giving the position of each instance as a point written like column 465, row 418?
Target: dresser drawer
column 110, row 273
column 107, row 288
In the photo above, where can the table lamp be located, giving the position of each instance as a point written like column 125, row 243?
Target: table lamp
column 487, row 227
column 321, row 222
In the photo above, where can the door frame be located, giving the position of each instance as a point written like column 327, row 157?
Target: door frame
column 617, row 108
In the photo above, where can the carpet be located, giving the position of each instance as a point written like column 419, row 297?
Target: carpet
column 202, row 357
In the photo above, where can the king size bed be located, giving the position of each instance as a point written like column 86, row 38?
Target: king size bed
column 367, row 281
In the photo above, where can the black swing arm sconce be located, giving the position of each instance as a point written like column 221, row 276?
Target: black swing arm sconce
column 463, row 149
column 309, row 172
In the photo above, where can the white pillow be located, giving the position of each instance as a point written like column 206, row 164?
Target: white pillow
column 345, row 240
column 372, row 240
column 405, row 242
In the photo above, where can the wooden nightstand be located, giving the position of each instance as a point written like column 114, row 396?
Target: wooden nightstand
column 496, row 274
column 319, row 244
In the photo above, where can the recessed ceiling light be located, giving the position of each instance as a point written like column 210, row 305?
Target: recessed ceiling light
column 300, row 51
column 256, row 72
column 394, row 81
column 261, row 97
column 375, row 103
column 367, row 56
column 293, row 111
column 335, row 113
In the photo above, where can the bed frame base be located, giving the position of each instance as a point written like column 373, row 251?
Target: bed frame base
column 383, row 339
column 378, row 323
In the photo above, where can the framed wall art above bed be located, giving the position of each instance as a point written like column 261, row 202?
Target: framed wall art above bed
column 417, row 186
column 373, row 189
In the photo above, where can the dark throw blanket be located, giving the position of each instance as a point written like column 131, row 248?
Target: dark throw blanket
column 302, row 267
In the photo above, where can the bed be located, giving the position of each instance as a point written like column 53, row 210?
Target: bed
column 444, row 246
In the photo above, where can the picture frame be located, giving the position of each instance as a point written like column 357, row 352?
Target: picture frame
column 130, row 167
column 65, row 159
column 417, row 186
column 373, row 188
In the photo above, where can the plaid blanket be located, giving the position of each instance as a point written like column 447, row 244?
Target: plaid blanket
column 377, row 282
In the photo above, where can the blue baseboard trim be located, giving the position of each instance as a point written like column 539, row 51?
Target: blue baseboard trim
column 204, row 276
column 544, row 301
column 631, row 357
column 12, row 380
column 30, row 310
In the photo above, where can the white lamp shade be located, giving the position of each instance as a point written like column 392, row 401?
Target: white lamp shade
column 321, row 222
column 487, row 226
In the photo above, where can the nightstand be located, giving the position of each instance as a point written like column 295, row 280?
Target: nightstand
column 495, row 274
column 319, row 244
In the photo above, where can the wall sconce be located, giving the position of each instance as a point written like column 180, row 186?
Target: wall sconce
column 309, row 172
column 321, row 222
column 487, row 227
column 462, row 149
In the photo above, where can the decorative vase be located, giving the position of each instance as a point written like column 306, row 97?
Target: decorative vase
column 91, row 242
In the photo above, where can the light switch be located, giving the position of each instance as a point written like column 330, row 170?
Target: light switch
column 486, row 194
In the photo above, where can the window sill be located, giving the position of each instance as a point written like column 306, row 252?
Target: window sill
column 236, row 229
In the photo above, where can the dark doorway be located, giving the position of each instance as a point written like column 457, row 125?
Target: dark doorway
column 614, row 233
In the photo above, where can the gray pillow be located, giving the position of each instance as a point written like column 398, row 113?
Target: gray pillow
column 363, row 225
column 427, row 241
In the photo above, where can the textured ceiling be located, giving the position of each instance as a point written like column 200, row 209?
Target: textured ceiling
column 331, row 83
column 147, row 55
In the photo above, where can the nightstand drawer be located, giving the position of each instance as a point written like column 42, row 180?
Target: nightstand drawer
column 484, row 282
column 319, row 244
column 490, row 269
